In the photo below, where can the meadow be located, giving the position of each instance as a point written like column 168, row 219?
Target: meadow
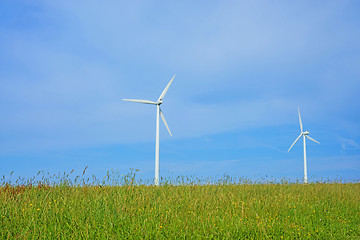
column 124, row 207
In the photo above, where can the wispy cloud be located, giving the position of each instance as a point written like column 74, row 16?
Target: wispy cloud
column 349, row 144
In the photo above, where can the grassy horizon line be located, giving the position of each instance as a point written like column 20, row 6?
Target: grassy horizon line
column 115, row 178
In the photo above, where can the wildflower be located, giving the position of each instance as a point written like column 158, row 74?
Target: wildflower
column 38, row 209
column 23, row 210
column 160, row 226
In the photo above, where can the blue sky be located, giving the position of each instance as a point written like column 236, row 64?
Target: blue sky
column 242, row 69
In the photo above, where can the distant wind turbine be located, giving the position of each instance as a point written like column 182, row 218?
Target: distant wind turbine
column 305, row 135
column 158, row 113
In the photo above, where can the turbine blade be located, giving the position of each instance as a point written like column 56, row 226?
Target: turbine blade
column 140, row 101
column 295, row 142
column 163, row 118
column 166, row 89
column 312, row 139
column 301, row 126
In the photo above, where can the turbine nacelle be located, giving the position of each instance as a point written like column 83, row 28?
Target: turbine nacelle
column 159, row 102
column 305, row 133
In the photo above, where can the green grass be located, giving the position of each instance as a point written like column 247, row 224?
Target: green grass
column 176, row 211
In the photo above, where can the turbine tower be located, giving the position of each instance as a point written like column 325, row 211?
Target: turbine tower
column 305, row 135
column 158, row 113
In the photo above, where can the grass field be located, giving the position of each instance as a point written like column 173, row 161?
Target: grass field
column 222, row 210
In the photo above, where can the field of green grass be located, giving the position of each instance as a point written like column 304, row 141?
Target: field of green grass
column 223, row 210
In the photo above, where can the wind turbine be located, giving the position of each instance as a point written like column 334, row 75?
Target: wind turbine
column 305, row 135
column 158, row 113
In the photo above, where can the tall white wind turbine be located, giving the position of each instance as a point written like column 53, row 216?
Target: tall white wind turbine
column 158, row 113
column 305, row 135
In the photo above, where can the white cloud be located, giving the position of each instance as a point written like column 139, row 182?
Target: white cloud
column 348, row 144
